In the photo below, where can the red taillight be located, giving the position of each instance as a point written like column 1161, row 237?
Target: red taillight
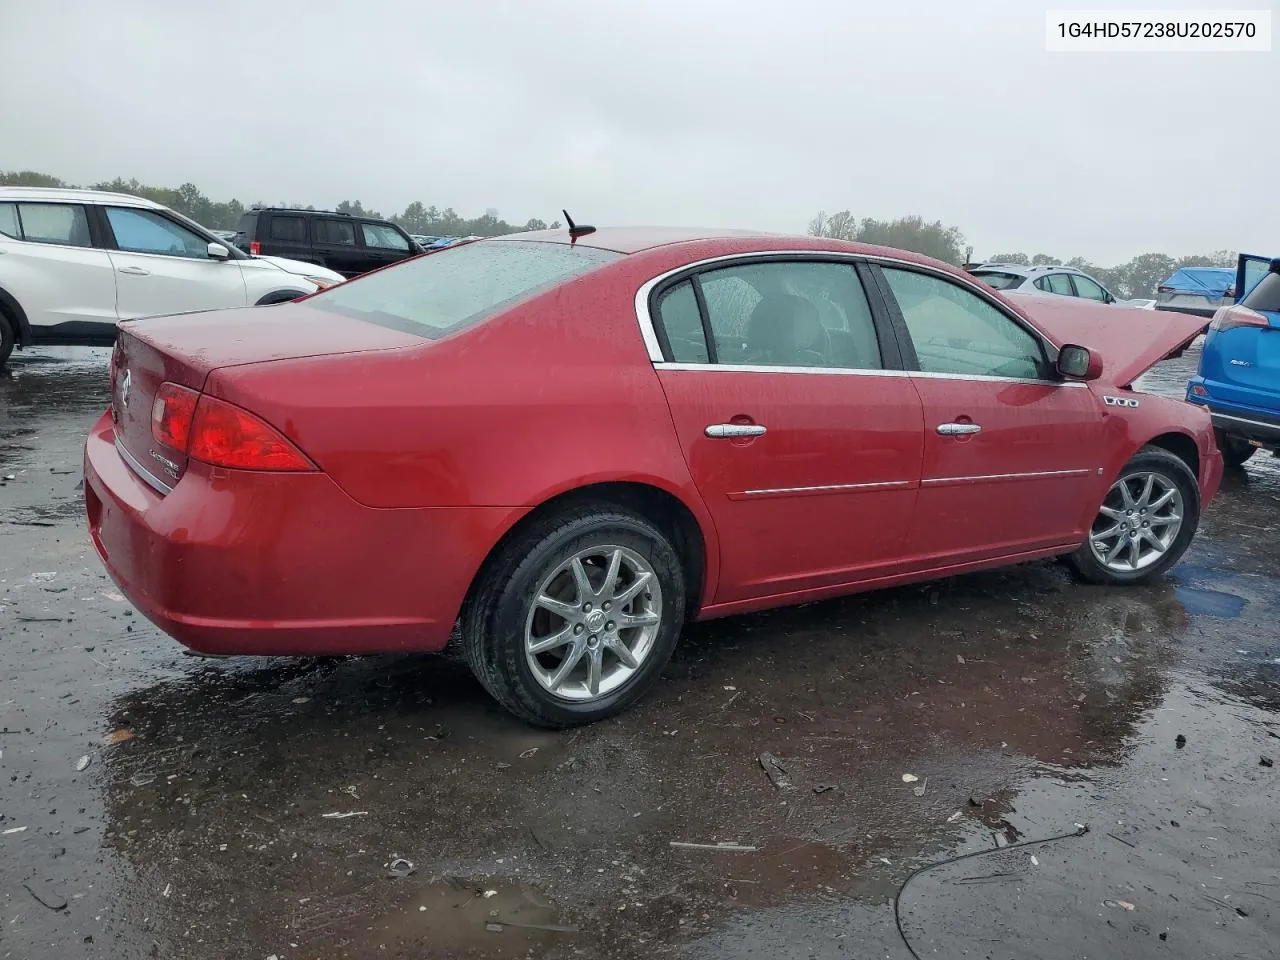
column 1228, row 318
column 171, row 415
column 225, row 435
column 255, row 248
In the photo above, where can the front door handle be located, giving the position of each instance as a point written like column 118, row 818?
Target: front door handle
column 720, row 431
column 135, row 271
column 958, row 429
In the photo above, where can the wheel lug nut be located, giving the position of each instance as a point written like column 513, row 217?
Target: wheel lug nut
column 592, row 640
column 577, row 628
column 586, row 608
column 607, row 605
column 611, row 626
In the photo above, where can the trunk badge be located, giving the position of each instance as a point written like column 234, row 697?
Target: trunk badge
column 125, row 384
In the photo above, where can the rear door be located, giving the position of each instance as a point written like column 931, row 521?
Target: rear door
column 334, row 241
column 284, row 235
column 164, row 267
column 50, row 264
column 799, row 429
column 1011, row 452
column 383, row 245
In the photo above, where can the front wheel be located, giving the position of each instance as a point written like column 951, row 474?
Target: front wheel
column 574, row 619
column 1145, row 524
column 1235, row 450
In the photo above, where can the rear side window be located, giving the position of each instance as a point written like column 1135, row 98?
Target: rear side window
column 342, row 232
column 289, row 229
column 682, row 324
column 60, row 223
column 438, row 294
column 247, row 224
column 999, row 280
column 1266, row 295
column 9, row 221
column 383, row 237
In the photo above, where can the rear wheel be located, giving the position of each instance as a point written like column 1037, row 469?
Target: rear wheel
column 1145, row 524
column 8, row 337
column 574, row 619
column 1235, row 450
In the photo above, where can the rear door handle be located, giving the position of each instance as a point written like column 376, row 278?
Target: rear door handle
column 135, row 271
column 958, row 429
column 720, row 431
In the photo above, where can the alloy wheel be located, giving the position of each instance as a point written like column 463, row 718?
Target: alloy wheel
column 593, row 622
column 1138, row 522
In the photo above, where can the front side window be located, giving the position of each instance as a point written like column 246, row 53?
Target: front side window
column 383, row 237
column 341, row 232
column 145, row 231
column 61, row 223
column 1089, row 290
column 289, row 229
column 436, row 295
column 956, row 331
column 790, row 314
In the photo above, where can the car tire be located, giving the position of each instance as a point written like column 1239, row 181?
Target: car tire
column 1235, row 450
column 8, row 338
column 1159, row 486
column 504, row 617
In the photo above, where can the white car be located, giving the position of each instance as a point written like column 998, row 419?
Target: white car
column 73, row 263
column 1050, row 280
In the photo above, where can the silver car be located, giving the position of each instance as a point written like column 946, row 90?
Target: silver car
column 1054, row 279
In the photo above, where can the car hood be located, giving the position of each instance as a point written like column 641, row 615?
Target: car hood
column 1129, row 340
column 300, row 268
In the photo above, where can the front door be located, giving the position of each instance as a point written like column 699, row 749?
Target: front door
column 1010, row 450
column 383, row 245
column 162, row 267
column 805, row 449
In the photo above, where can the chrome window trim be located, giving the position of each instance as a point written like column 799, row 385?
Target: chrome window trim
column 850, row 372
column 1078, row 472
column 151, row 479
column 649, row 334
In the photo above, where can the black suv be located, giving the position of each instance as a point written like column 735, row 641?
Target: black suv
column 350, row 245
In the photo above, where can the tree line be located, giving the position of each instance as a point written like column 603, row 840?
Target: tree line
column 190, row 202
column 1138, row 277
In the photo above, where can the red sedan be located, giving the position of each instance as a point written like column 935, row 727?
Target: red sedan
column 564, row 447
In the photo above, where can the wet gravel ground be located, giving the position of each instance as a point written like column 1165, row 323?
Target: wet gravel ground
column 250, row 808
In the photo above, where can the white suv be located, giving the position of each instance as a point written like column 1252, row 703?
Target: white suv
column 74, row 262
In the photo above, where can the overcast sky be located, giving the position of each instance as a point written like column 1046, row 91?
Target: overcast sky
column 691, row 112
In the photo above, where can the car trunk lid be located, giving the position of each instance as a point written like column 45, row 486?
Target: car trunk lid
column 185, row 349
column 1130, row 341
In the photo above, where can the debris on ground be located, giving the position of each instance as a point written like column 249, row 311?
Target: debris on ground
column 344, row 816
column 1179, row 741
column 118, row 736
column 954, row 817
column 549, row 927
column 1264, row 762
column 1123, row 904
column 775, row 771
column 44, row 577
column 1035, row 861
column 919, row 791
column 824, row 788
column 490, row 893
column 722, row 847
column 114, row 597
column 909, row 778
column 83, row 763
column 13, row 830
column 400, row 867
column 142, row 779
column 45, row 895
column 526, row 754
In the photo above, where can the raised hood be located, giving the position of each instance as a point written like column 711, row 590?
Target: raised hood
column 1130, row 341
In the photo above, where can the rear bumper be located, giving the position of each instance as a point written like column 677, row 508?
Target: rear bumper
column 1251, row 427
column 240, row 562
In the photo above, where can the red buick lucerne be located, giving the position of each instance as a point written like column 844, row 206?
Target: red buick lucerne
column 562, row 447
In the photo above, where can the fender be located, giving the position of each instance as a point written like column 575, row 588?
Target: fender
column 13, row 309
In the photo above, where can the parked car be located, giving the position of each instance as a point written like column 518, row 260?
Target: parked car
column 1198, row 291
column 1055, row 280
column 1239, row 376
column 226, row 236
column 74, row 262
column 1141, row 303
column 346, row 244
column 567, row 444
column 423, row 241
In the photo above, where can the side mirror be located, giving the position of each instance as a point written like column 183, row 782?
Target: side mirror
column 218, row 252
column 1079, row 363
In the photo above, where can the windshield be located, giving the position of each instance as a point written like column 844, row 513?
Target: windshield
column 435, row 295
column 999, row 280
column 1265, row 297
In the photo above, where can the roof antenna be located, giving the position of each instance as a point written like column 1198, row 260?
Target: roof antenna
column 576, row 230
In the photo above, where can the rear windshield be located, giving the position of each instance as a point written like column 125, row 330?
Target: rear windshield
column 1000, row 281
column 439, row 293
column 1266, row 295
